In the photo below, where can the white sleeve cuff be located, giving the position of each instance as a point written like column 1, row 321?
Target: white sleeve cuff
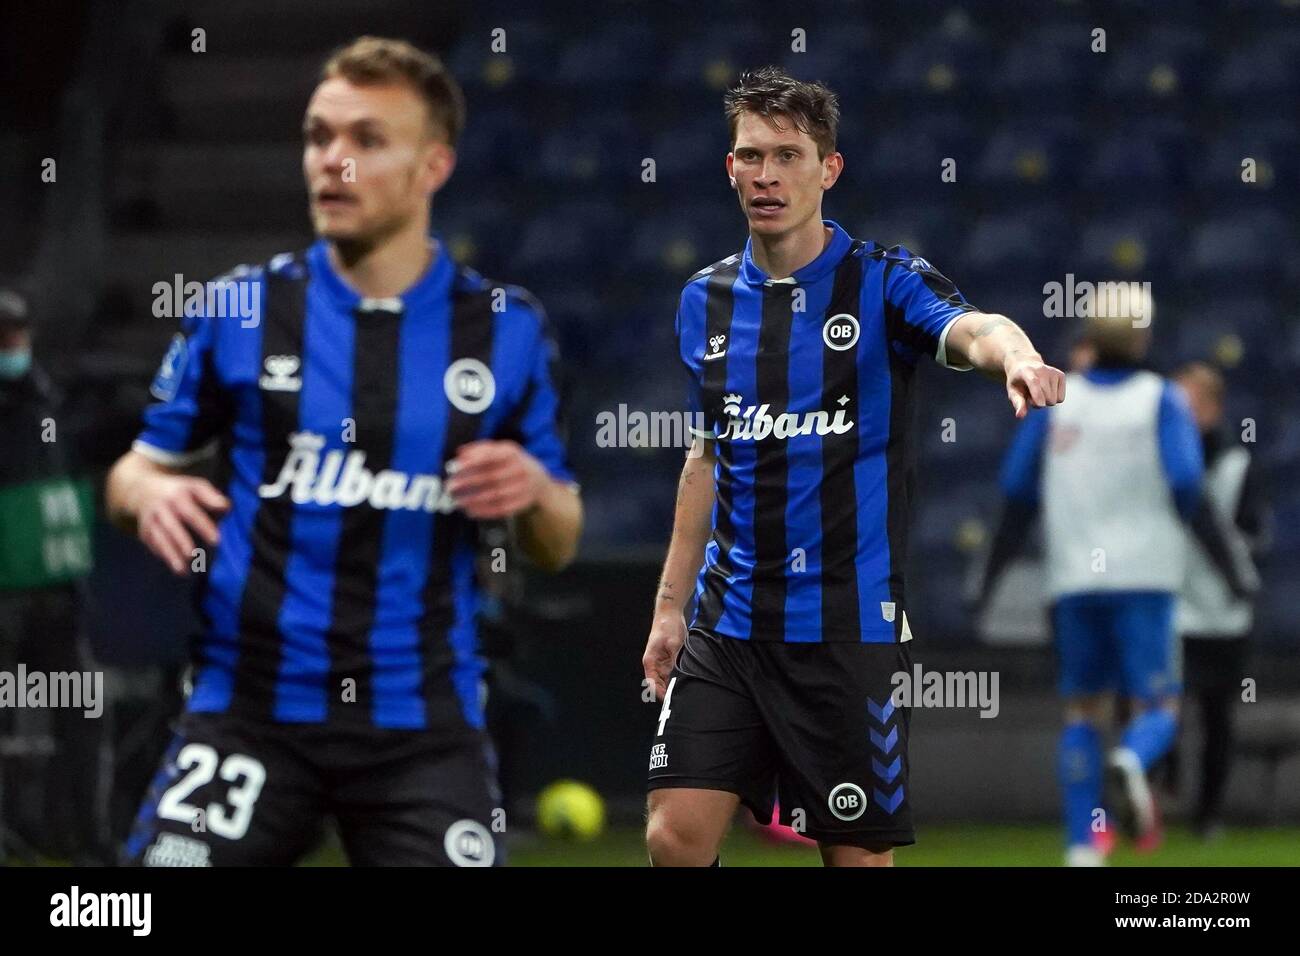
column 941, row 353
column 173, row 459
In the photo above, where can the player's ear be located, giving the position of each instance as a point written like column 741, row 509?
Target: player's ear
column 730, row 164
column 832, row 166
column 439, row 163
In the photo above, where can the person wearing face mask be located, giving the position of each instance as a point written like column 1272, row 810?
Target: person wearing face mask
column 15, row 338
column 46, row 514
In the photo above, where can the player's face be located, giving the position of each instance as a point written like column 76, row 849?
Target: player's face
column 1082, row 356
column 1206, row 409
column 777, row 174
column 371, row 159
column 14, row 336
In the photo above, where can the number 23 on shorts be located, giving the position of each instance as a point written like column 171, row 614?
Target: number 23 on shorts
column 245, row 774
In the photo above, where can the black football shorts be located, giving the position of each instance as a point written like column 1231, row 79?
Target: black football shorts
column 231, row 792
column 811, row 725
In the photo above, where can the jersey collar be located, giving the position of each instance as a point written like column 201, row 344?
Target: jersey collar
column 433, row 283
column 1108, row 372
column 824, row 263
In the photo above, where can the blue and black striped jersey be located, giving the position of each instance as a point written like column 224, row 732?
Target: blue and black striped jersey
column 805, row 383
column 343, row 587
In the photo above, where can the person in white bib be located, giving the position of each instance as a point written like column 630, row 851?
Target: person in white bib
column 1116, row 472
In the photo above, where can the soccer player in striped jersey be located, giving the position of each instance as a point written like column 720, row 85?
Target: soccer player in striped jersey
column 382, row 402
column 792, row 509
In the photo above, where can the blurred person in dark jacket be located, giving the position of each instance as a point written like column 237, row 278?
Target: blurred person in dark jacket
column 1216, row 607
column 45, row 520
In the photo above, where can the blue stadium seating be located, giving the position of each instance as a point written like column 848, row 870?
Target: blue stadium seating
column 1123, row 165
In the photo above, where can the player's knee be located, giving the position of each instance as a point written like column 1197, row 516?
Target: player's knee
column 1169, row 704
column 674, row 841
column 1087, row 710
column 840, row 856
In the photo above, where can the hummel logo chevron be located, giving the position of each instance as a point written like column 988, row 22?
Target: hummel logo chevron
column 885, row 744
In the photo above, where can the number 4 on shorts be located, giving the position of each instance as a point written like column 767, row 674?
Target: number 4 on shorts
column 664, row 712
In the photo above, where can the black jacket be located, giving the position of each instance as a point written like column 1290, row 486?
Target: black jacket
column 29, row 409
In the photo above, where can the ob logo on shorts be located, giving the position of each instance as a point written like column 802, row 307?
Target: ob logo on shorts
column 847, row 802
column 468, row 843
column 469, row 385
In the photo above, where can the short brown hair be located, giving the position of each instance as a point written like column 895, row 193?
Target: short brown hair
column 771, row 92
column 373, row 60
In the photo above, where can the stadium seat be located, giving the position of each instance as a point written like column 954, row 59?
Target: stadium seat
column 1131, row 163
column 956, row 67
column 1023, row 156
column 1254, row 79
column 1125, row 247
column 1239, row 334
column 1223, row 254
column 1049, row 69
column 1014, row 248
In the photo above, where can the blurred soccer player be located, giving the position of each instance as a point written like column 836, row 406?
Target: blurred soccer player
column 1215, row 611
column 792, row 512
column 385, row 400
column 1114, row 469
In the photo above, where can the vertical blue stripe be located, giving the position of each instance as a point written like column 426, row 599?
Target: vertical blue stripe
column 306, row 612
column 418, row 447
column 803, row 513
column 467, row 671
column 710, row 557
column 870, row 471
column 214, row 681
column 742, row 378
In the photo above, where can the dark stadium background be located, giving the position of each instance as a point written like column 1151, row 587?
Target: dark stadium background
column 1122, row 165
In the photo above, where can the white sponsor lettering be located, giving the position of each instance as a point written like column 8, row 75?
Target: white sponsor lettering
column 756, row 422
column 342, row 478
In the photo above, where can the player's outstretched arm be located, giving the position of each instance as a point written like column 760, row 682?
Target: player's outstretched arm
column 997, row 346
column 692, row 526
column 165, row 508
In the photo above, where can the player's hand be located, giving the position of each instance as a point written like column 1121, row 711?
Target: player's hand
column 667, row 635
column 1032, row 384
column 495, row 479
column 173, row 510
